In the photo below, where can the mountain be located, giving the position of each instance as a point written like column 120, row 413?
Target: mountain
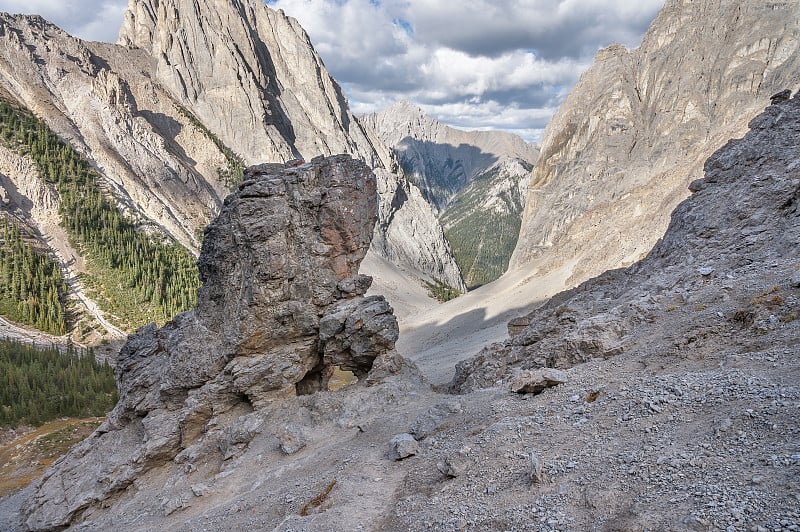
column 482, row 221
column 634, row 132
column 671, row 371
column 476, row 180
column 439, row 159
column 168, row 118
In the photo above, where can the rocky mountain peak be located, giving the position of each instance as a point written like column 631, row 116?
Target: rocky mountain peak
column 440, row 159
column 239, row 66
column 634, row 132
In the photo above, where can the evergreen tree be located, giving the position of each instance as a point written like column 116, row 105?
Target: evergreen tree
column 143, row 278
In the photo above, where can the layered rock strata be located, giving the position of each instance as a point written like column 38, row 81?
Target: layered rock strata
column 282, row 304
column 194, row 89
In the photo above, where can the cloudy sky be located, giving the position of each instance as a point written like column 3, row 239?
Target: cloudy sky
column 474, row 64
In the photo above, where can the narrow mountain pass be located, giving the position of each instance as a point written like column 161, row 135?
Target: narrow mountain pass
column 438, row 338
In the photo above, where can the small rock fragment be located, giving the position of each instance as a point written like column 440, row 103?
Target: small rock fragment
column 291, row 439
column 535, row 381
column 200, row 489
column 796, row 279
column 536, row 468
column 454, row 465
column 402, row 446
column 706, row 271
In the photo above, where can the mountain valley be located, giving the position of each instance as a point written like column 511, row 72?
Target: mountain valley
column 625, row 354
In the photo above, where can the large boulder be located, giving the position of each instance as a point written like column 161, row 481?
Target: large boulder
column 280, row 259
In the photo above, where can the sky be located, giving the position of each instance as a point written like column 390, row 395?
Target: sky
column 472, row 64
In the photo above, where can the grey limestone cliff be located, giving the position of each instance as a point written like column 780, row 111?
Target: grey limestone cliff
column 635, row 131
column 476, row 181
column 440, row 159
column 197, row 88
column 251, row 75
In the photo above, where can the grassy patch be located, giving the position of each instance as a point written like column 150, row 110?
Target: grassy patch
column 441, row 291
column 27, row 457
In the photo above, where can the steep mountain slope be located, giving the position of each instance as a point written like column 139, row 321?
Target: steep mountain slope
column 634, row 132
column 689, row 424
column 483, row 219
column 476, row 180
column 169, row 141
column 251, row 75
column 439, row 159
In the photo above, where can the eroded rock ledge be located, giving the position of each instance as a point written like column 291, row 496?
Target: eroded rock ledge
column 282, row 303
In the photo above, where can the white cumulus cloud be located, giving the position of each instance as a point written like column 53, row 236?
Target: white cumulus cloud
column 94, row 20
column 474, row 64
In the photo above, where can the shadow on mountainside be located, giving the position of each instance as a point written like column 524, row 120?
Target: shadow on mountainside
column 441, row 170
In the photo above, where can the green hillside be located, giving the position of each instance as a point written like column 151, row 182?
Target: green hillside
column 137, row 277
column 44, row 383
column 482, row 225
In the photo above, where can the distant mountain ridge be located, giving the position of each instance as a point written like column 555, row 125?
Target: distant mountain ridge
column 440, row 159
column 476, row 180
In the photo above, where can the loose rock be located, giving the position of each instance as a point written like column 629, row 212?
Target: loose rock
column 402, row 446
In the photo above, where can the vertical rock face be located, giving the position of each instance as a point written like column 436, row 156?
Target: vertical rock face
column 409, row 235
column 476, row 180
column 282, row 303
column 442, row 160
column 618, row 155
column 251, row 75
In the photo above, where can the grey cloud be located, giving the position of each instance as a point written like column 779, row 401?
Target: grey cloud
column 554, row 28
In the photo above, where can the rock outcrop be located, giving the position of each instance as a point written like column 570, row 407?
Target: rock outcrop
column 704, row 277
column 707, row 377
column 618, row 155
column 282, row 304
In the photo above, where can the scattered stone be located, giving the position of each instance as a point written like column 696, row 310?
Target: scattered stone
column 434, row 419
column 291, row 439
column 537, row 380
column 200, row 489
column 535, row 468
column 402, row 446
column 706, row 271
column 517, row 325
column 453, row 465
